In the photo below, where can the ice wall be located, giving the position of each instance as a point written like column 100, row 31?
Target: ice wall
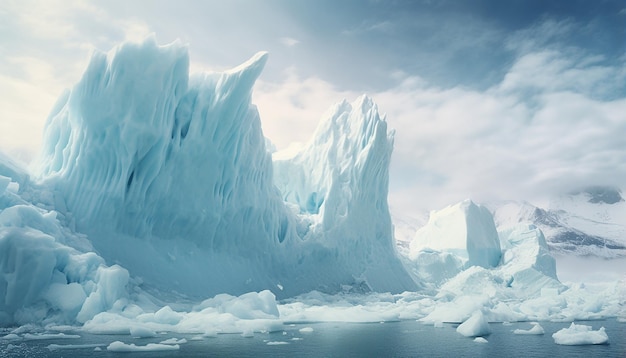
column 169, row 176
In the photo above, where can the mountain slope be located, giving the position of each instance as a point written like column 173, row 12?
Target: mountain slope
column 588, row 222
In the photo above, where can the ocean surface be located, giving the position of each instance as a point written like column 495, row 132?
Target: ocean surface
column 392, row 339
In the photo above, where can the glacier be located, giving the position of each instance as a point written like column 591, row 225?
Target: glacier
column 157, row 205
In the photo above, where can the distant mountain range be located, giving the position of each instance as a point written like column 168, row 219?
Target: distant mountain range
column 588, row 222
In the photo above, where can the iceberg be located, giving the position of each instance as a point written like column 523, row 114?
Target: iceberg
column 466, row 230
column 475, row 326
column 535, row 330
column 580, row 334
column 152, row 180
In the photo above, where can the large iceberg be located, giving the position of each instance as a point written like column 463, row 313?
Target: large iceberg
column 168, row 176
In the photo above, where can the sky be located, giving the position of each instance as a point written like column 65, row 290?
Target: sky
column 491, row 100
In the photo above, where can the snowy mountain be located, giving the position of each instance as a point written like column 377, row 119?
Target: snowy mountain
column 587, row 222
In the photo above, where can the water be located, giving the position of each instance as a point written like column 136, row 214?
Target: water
column 397, row 339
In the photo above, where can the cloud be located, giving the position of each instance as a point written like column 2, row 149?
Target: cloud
column 49, row 51
column 551, row 122
column 288, row 41
column 290, row 110
column 538, row 132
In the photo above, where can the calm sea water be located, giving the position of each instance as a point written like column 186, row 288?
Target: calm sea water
column 397, row 339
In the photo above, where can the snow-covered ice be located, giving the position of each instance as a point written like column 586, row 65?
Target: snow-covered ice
column 181, row 179
column 580, row 334
column 535, row 330
column 475, row 326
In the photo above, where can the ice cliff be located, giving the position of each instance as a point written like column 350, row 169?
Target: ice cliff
column 169, row 176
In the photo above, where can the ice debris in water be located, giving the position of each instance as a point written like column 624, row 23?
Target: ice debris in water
column 475, row 326
column 580, row 334
column 536, row 330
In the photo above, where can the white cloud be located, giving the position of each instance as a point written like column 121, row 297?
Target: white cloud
column 56, row 53
column 498, row 144
column 290, row 110
column 288, row 41
column 547, row 126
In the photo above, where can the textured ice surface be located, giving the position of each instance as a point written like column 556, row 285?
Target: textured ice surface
column 475, row 326
column 170, row 177
column 535, row 330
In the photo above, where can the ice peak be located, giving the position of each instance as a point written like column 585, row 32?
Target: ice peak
column 254, row 65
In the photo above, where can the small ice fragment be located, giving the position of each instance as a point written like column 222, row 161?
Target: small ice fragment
column 536, row 329
column 248, row 333
column 118, row 346
column 276, row 343
column 580, row 334
column 475, row 326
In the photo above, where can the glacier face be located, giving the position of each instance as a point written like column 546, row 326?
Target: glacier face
column 169, row 176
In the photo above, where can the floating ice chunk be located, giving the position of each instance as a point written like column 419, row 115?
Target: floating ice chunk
column 247, row 333
column 11, row 337
column 251, row 305
column 480, row 340
column 277, row 343
column 536, row 329
column 174, row 341
column 45, row 336
column 170, row 177
column 56, row 347
column 139, row 331
column 306, row 330
column 475, row 326
column 579, row 334
column 465, row 229
column 118, row 346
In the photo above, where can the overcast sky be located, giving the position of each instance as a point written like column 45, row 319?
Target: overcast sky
column 491, row 99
